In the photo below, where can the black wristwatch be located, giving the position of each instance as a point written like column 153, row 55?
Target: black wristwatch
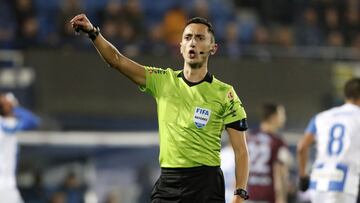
column 242, row 193
column 92, row 34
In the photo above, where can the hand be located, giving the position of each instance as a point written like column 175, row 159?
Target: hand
column 81, row 22
column 237, row 199
column 304, row 183
column 10, row 97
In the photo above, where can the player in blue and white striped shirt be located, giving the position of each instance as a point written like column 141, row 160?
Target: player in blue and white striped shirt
column 336, row 171
column 13, row 118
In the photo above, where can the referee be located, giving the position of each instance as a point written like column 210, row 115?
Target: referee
column 193, row 109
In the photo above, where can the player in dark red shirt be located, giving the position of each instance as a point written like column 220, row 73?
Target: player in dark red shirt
column 269, row 158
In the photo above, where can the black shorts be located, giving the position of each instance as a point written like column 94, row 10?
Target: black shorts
column 202, row 184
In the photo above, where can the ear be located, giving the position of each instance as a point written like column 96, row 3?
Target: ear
column 181, row 48
column 213, row 49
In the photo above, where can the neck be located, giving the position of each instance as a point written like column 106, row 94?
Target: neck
column 195, row 74
column 353, row 101
column 268, row 128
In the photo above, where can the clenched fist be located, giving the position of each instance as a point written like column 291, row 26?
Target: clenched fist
column 81, row 22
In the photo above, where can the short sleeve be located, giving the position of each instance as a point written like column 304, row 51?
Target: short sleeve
column 284, row 155
column 155, row 80
column 234, row 110
column 311, row 128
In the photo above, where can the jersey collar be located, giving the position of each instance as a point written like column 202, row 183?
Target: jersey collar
column 208, row 78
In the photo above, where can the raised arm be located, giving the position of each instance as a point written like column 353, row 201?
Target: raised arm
column 110, row 54
column 238, row 142
column 26, row 119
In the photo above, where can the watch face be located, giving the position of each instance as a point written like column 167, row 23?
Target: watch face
column 242, row 193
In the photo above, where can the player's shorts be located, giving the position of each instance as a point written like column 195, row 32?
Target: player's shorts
column 332, row 197
column 202, row 184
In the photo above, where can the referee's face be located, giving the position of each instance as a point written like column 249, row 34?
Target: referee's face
column 197, row 44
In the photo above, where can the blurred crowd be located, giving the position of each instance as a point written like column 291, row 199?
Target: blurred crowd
column 155, row 26
column 70, row 190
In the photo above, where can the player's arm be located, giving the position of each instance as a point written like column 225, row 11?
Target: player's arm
column 26, row 119
column 303, row 148
column 281, row 175
column 110, row 54
column 238, row 141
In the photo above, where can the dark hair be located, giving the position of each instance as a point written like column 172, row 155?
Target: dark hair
column 268, row 110
column 352, row 89
column 204, row 21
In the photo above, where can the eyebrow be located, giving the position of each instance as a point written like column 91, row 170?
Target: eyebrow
column 196, row 35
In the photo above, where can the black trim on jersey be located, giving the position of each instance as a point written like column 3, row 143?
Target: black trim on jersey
column 208, row 78
column 240, row 125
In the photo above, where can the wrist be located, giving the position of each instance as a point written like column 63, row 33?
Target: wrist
column 94, row 32
column 241, row 193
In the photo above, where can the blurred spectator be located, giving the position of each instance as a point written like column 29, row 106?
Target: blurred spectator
column 69, row 8
column 113, row 197
column 261, row 36
column 261, row 40
column 133, row 15
column 173, row 25
column 58, row 197
column 156, row 44
column 28, row 33
column 332, row 20
column 284, row 37
column 308, row 31
column 201, row 9
column 128, row 42
column 112, row 12
column 28, row 24
column 110, row 29
column 23, row 10
column 131, row 28
column 7, row 26
column 355, row 44
column 320, row 22
column 73, row 189
column 352, row 25
column 232, row 43
column 335, row 39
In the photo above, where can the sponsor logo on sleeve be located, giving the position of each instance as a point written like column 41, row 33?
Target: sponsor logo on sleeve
column 156, row 71
column 201, row 117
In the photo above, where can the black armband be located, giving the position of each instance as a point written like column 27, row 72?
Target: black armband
column 242, row 193
column 240, row 125
column 92, row 34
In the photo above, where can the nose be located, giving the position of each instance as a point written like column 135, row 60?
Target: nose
column 192, row 43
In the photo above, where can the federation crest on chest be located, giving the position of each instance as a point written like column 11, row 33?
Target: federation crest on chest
column 201, row 117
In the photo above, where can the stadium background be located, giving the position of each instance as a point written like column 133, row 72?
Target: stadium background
column 98, row 135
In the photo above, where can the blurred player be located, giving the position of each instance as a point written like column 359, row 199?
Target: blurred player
column 336, row 171
column 269, row 158
column 13, row 118
column 193, row 109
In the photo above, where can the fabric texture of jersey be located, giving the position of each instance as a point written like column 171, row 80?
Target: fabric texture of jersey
column 264, row 150
column 337, row 165
column 191, row 118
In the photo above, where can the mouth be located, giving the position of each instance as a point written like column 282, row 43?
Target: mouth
column 192, row 54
